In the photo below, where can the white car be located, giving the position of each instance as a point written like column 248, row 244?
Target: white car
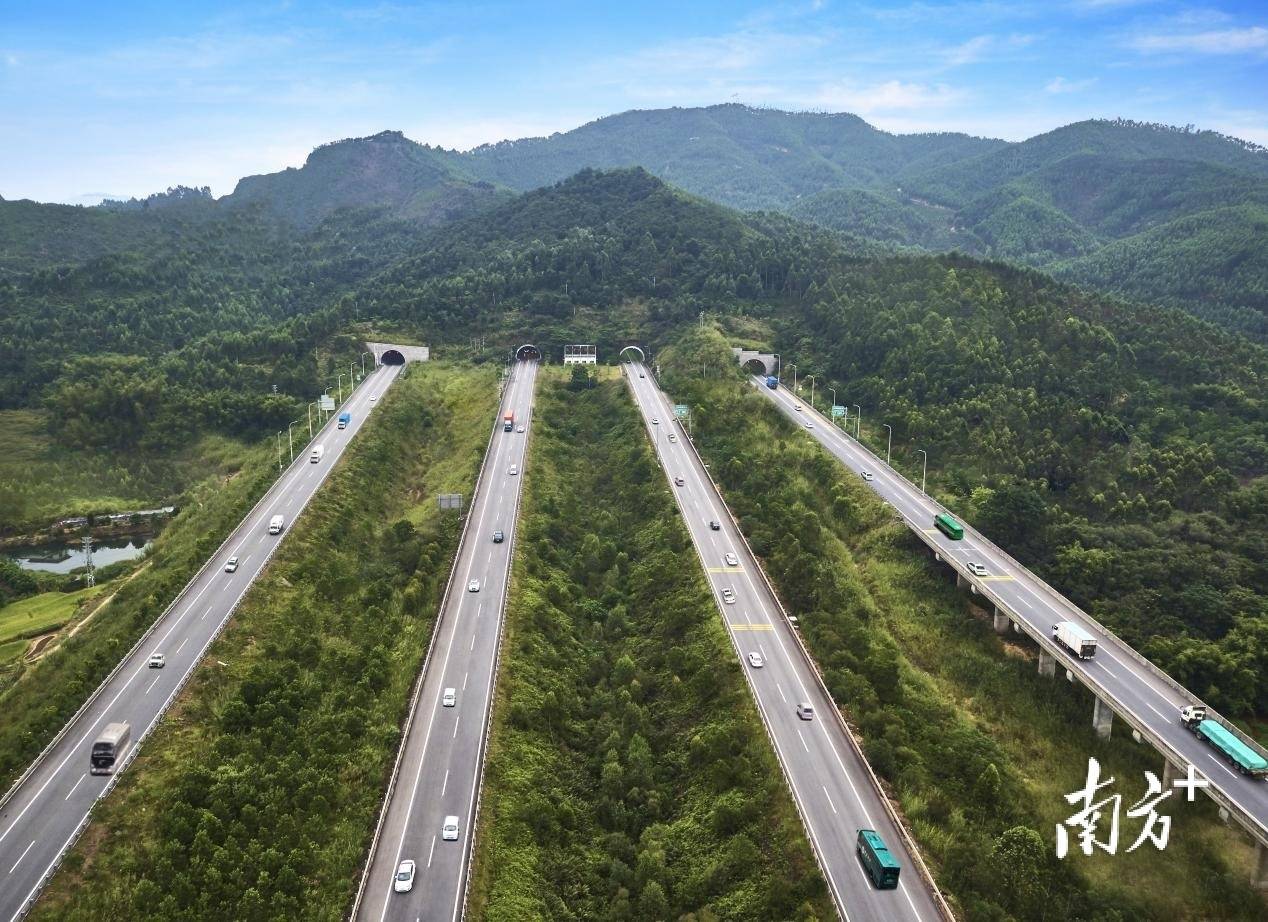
column 373, row 397
column 978, row 569
column 728, row 596
column 450, row 698
column 798, row 408
column 732, row 560
column 156, row 661
column 404, row 880
column 520, row 429
column 672, row 437
column 867, row 475
column 449, row 831
column 231, row 565
column 514, row 470
column 473, row 586
column 755, row 660
column 655, row 421
column 809, row 424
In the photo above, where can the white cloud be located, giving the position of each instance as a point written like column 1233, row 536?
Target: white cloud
column 1062, row 85
column 970, row 51
column 1219, row 41
column 890, row 96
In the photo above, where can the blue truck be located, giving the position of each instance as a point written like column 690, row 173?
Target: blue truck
column 772, row 382
column 344, row 419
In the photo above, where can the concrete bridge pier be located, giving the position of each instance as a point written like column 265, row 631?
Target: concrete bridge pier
column 1259, row 875
column 1102, row 719
column 1170, row 773
column 1001, row 622
column 1047, row 664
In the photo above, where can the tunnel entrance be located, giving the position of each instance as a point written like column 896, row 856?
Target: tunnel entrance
column 528, row 353
column 392, row 357
column 758, row 367
column 641, row 356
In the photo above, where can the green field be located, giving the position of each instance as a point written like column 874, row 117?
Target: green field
column 41, row 613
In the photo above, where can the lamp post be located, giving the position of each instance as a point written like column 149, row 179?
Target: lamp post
column 924, row 468
column 777, row 369
column 279, row 450
column 339, row 382
column 363, row 355
column 831, row 418
column 889, row 442
column 309, row 408
column 325, row 393
column 793, row 366
column 352, row 375
column 290, row 440
column 858, row 419
column 812, row 391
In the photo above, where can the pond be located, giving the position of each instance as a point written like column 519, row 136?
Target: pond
column 62, row 558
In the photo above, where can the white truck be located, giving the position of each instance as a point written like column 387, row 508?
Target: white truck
column 276, row 524
column 1075, row 639
column 318, row 451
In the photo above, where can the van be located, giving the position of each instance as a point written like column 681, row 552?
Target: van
column 806, row 711
column 276, row 524
column 318, row 451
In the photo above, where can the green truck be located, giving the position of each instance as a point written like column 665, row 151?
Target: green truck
column 1224, row 741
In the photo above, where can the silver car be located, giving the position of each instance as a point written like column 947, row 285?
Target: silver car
column 404, row 880
column 755, row 660
column 732, row 560
column 449, row 831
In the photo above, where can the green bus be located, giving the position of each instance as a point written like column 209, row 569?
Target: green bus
column 880, row 865
column 948, row 526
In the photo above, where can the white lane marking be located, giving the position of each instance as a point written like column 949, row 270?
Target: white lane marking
column 1155, row 710
column 445, row 783
column 455, row 726
column 1108, row 670
column 77, row 784
column 780, row 689
column 181, row 647
column 155, row 682
column 472, row 646
column 803, row 740
column 431, row 851
column 1221, row 764
column 21, row 856
column 204, row 614
column 829, row 796
column 464, row 680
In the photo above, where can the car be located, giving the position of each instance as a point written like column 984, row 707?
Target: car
column 404, row 880
column 519, row 429
column 373, row 397
column 678, row 481
column 473, row 586
column 809, row 424
column 498, row 537
column 231, row 565
column 672, row 437
column 867, row 475
column 156, row 661
column 806, row 711
column 755, row 660
column 978, row 569
column 450, row 697
column 731, row 560
column 798, row 408
column 728, row 596
column 641, row 375
column 449, row 831
column 514, row 469
column 655, row 421
column 715, row 525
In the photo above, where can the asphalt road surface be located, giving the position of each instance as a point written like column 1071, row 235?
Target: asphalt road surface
column 439, row 771
column 1133, row 687
column 827, row 776
column 44, row 814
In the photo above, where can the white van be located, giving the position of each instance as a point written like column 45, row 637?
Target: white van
column 276, row 524
column 806, row 711
column 318, row 451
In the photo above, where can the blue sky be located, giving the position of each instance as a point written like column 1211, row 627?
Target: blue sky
column 126, row 98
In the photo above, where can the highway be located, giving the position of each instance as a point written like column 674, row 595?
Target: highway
column 440, row 765
column 46, row 810
column 1132, row 686
column 828, row 778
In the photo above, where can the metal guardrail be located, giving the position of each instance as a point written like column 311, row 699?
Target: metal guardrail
column 923, row 869
column 416, row 695
column 176, row 600
column 497, row 659
column 1252, row 824
column 135, row 748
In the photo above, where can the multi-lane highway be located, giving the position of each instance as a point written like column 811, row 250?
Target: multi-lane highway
column 48, row 807
column 438, row 771
column 1133, row 687
column 828, row 778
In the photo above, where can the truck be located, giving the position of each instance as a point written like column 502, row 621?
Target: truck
column 344, row 419
column 1224, row 741
column 318, row 453
column 1075, row 639
column 508, row 422
column 109, row 748
column 772, row 382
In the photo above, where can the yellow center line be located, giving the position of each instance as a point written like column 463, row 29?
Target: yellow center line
column 995, row 578
column 752, row 627
column 724, row 569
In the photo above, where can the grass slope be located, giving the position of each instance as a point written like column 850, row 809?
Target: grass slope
column 39, row 614
column 978, row 748
column 628, row 775
column 256, row 796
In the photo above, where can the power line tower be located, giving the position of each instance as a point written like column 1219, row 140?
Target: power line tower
column 90, row 575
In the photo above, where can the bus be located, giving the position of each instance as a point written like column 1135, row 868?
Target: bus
column 948, row 526
column 880, row 865
column 109, row 748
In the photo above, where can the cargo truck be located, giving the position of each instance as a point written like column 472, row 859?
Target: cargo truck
column 344, row 419
column 1224, row 741
column 508, row 422
column 772, row 382
column 1075, row 639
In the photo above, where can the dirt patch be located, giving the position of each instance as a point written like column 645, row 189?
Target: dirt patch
column 1011, row 649
column 38, row 647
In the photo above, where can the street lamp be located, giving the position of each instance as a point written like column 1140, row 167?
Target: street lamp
column 831, row 419
column 309, row 408
column 339, row 382
column 812, row 391
column 290, row 441
column 776, row 366
column 363, row 355
column 858, row 419
column 793, row 366
column 352, row 375
column 889, row 442
column 924, row 468
column 279, row 449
